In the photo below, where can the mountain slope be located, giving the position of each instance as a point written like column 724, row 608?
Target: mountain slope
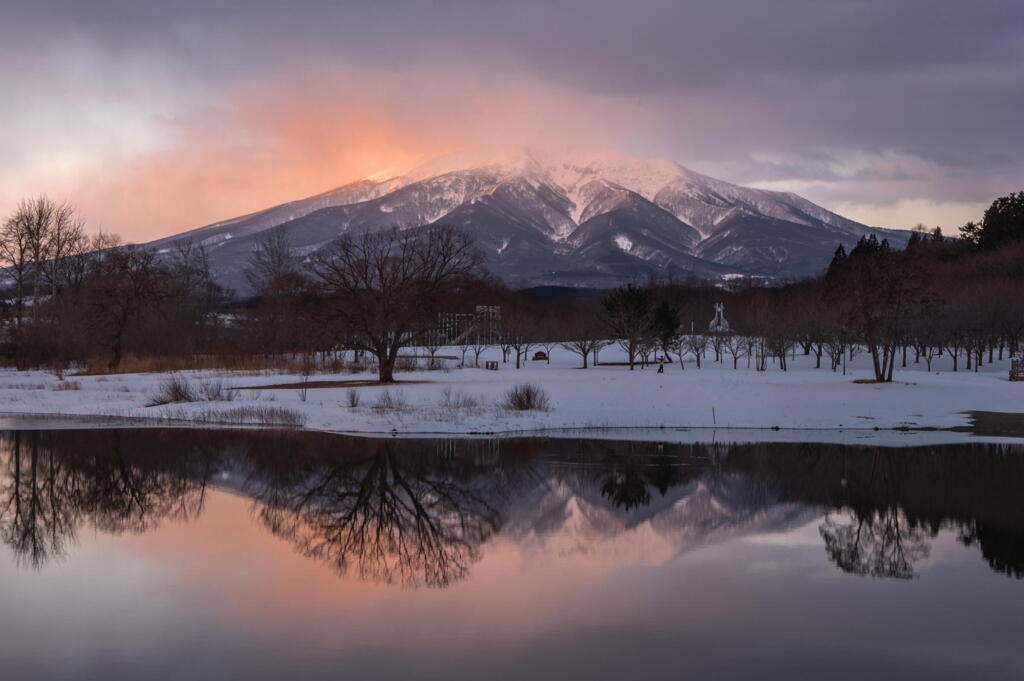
column 565, row 220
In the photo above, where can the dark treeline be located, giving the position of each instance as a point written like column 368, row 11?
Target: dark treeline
column 418, row 512
column 366, row 297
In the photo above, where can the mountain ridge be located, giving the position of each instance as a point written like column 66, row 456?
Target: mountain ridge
column 562, row 220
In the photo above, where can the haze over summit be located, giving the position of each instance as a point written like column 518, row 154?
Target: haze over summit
column 156, row 119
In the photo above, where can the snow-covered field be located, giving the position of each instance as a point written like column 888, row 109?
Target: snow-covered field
column 467, row 400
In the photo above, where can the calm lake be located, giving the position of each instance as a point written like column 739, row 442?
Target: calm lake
column 188, row 554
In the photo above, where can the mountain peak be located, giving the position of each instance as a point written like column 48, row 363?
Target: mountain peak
column 566, row 217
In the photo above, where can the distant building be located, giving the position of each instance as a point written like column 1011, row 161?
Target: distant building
column 481, row 325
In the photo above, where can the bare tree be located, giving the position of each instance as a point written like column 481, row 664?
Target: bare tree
column 519, row 331
column 835, row 347
column 478, row 345
column 627, row 312
column 78, row 265
column 719, row 342
column 586, row 337
column 505, row 345
column 14, row 255
column 696, row 345
column 128, row 280
column 736, row 346
column 271, row 268
column 521, row 345
column 548, row 344
column 432, row 342
column 465, row 344
column 881, row 292
column 67, row 240
column 386, row 288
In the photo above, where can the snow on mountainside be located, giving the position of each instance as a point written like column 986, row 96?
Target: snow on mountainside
column 565, row 219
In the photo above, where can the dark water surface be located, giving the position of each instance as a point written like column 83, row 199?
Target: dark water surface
column 180, row 554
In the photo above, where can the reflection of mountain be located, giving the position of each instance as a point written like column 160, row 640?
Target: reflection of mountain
column 420, row 512
column 574, row 514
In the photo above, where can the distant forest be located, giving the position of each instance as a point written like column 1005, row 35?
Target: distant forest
column 79, row 303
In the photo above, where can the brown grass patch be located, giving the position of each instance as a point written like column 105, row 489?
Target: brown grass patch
column 253, row 415
column 325, row 384
column 68, row 385
column 526, row 397
column 134, row 364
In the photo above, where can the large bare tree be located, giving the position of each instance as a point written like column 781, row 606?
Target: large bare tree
column 37, row 243
column 384, row 289
column 882, row 292
column 127, row 282
column 15, row 256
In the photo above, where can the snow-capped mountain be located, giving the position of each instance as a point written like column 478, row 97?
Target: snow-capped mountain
column 569, row 219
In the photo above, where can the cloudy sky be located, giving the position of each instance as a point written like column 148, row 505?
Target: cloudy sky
column 158, row 117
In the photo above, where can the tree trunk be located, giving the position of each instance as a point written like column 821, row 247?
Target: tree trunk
column 386, row 365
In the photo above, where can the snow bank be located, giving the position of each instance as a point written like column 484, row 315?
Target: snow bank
column 465, row 400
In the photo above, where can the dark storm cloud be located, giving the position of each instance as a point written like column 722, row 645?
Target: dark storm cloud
column 871, row 101
column 621, row 47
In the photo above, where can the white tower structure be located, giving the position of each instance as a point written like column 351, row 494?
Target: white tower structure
column 719, row 324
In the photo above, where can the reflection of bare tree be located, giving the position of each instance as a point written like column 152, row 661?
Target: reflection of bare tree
column 418, row 513
column 387, row 521
column 34, row 521
column 133, row 492
column 878, row 544
column 53, row 482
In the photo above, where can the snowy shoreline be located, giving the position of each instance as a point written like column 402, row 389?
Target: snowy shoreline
column 466, row 401
column 880, row 437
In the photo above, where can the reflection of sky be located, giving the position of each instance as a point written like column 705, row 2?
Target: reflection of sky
column 222, row 598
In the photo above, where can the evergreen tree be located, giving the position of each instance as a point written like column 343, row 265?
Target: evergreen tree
column 866, row 244
column 627, row 312
column 837, row 258
column 1002, row 223
column 664, row 324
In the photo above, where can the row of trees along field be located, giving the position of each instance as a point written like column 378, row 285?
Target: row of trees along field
column 90, row 302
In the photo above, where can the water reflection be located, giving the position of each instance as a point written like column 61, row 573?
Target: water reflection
column 51, row 483
column 417, row 513
column 390, row 516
